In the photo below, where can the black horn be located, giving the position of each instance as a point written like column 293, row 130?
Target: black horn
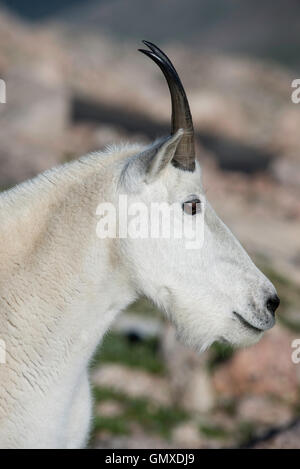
column 184, row 157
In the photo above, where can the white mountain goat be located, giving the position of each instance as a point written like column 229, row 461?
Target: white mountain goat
column 61, row 287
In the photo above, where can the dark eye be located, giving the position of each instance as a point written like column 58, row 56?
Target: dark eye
column 191, row 207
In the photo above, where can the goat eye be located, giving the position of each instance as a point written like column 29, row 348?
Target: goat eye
column 191, row 207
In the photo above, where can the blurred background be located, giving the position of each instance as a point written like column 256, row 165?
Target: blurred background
column 75, row 83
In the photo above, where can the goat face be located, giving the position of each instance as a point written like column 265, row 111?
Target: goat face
column 211, row 292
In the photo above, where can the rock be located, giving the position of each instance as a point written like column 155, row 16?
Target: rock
column 263, row 410
column 286, row 171
column 133, row 382
column 20, row 161
column 32, row 120
column 264, row 369
column 34, row 107
column 286, row 130
column 187, row 435
column 109, row 409
column 221, row 419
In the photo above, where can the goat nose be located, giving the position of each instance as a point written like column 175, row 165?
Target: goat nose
column 273, row 303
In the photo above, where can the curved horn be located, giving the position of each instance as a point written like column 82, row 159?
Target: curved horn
column 181, row 114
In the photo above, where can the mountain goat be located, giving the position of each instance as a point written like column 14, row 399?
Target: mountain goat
column 62, row 286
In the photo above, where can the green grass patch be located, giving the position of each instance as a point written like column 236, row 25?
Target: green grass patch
column 145, row 307
column 229, row 406
column 151, row 417
column 113, row 425
column 117, row 348
column 213, row 431
column 218, row 354
column 245, row 432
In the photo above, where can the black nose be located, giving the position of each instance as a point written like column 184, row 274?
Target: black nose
column 273, row 303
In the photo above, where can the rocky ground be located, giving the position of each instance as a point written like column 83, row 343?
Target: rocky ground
column 69, row 93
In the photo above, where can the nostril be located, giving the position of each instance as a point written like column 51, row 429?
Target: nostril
column 273, row 303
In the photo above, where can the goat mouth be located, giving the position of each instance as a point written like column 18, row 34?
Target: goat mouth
column 247, row 324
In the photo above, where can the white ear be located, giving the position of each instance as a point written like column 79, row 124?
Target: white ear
column 146, row 166
column 162, row 155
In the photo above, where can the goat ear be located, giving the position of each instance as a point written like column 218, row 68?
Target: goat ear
column 147, row 165
column 160, row 155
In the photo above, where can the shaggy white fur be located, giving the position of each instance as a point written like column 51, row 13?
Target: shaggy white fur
column 61, row 287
